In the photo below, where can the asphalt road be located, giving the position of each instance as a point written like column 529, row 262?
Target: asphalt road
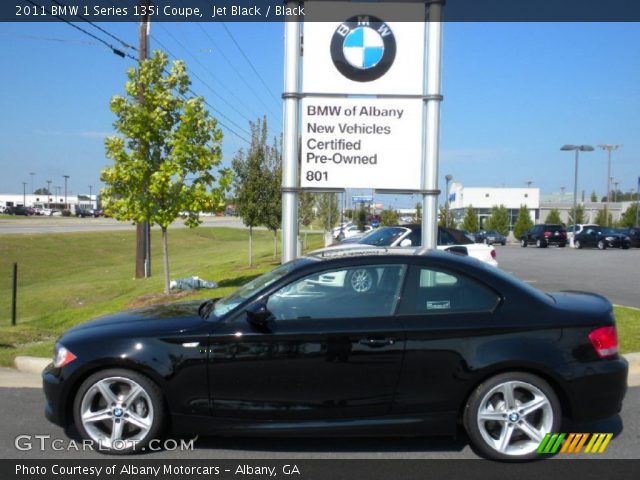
column 21, row 414
column 613, row 273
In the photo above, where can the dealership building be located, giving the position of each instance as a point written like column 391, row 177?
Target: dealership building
column 56, row 202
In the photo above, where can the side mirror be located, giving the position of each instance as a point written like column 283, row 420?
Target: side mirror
column 258, row 315
column 405, row 243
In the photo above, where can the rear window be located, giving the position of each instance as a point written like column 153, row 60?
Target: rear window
column 554, row 228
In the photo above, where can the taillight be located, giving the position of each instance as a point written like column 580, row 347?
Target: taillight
column 547, row 234
column 604, row 341
column 493, row 253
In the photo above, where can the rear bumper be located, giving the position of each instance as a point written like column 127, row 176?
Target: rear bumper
column 597, row 390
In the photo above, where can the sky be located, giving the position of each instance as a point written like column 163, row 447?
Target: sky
column 514, row 93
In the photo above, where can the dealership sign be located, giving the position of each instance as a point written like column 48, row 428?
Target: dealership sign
column 375, row 140
column 361, row 143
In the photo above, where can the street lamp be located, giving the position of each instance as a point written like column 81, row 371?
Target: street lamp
column 24, row 194
column 529, row 182
column 90, row 201
column 32, row 174
column 615, row 191
column 66, row 206
column 578, row 149
column 609, row 148
column 49, row 193
column 447, row 178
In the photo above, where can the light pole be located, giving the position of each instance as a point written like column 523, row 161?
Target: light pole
column 66, row 206
column 447, row 178
column 90, row 200
column 578, row 149
column 609, row 148
column 49, row 193
column 24, row 194
column 529, row 182
column 32, row 174
column 615, row 191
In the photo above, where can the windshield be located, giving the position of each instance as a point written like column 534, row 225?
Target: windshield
column 383, row 237
column 248, row 290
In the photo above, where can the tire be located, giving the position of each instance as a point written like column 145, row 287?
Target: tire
column 562, row 245
column 602, row 245
column 362, row 280
column 488, row 420
column 102, row 405
column 523, row 243
column 577, row 244
column 539, row 243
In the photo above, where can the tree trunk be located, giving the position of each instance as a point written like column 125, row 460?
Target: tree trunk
column 165, row 254
column 250, row 246
column 275, row 244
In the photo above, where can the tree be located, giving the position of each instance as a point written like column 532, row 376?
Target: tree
column 499, row 220
column 579, row 215
column 273, row 200
column 594, row 196
column 552, row 217
column 418, row 212
column 629, row 216
column 524, row 223
column 470, row 221
column 328, row 210
column 604, row 218
column 388, row 217
column 445, row 218
column 361, row 218
column 306, row 208
column 164, row 154
column 252, row 180
column 41, row 191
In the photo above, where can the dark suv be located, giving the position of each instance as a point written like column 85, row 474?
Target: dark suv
column 544, row 235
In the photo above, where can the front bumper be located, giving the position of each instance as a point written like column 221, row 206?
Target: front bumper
column 55, row 407
column 597, row 390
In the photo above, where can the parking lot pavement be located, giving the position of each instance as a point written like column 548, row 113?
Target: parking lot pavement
column 613, row 272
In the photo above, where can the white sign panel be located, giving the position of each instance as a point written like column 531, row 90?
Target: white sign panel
column 361, row 143
column 363, row 54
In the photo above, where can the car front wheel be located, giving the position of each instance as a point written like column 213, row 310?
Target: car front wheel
column 508, row 416
column 523, row 242
column 578, row 244
column 121, row 411
column 602, row 245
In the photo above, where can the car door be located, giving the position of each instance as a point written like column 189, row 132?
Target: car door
column 331, row 349
column 444, row 315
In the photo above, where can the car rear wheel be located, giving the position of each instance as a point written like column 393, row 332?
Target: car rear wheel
column 539, row 243
column 507, row 416
column 523, row 243
column 121, row 411
column 602, row 245
column 578, row 244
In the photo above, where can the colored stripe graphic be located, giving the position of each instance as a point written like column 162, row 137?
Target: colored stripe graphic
column 573, row 443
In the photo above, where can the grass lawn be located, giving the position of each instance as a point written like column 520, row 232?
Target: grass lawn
column 65, row 279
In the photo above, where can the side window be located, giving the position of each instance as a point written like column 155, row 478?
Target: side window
column 431, row 291
column 445, row 238
column 353, row 292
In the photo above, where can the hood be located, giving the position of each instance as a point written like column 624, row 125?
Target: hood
column 168, row 317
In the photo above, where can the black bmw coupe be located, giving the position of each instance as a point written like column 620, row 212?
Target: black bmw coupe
column 394, row 343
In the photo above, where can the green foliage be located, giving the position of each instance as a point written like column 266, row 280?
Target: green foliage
column 553, row 217
column 580, row 218
column 629, row 216
column 523, row 221
column 594, row 196
column 499, row 220
column 306, row 207
column 445, row 218
column 470, row 221
column 418, row 212
column 604, row 218
column 327, row 204
column 388, row 217
column 361, row 219
column 42, row 191
column 166, row 148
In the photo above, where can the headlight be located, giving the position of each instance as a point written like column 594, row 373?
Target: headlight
column 609, row 239
column 627, row 239
column 62, row 356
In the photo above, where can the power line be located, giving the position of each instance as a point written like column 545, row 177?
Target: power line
column 229, row 90
column 209, row 87
column 122, row 42
column 221, row 52
column 118, row 52
column 249, row 62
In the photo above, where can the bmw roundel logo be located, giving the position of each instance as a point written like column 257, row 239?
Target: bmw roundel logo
column 363, row 48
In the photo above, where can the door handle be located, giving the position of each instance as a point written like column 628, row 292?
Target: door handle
column 377, row 342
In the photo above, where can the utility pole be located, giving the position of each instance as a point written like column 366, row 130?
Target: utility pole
column 90, row 200
column 66, row 205
column 49, row 193
column 24, row 194
column 609, row 148
column 143, row 233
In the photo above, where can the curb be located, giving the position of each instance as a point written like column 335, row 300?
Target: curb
column 26, row 364
column 35, row 365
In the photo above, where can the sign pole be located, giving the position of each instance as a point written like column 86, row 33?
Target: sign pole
column 431, row 114
column 290, row 180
